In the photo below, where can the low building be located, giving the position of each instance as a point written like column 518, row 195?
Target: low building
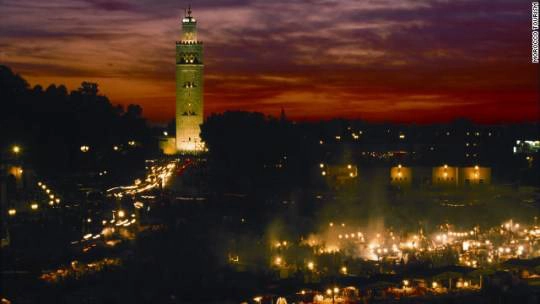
column 401, row 176
column 339, row 173
column 474, row 176
column 445, row 176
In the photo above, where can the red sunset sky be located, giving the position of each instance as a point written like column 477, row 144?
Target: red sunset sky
column 406, row 60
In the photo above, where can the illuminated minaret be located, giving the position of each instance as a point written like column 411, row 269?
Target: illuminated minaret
column 189, row 88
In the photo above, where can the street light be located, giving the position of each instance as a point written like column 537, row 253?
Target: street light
column 332, row 292
column 121, row 213
column 310, row 265
column 16, row 149
column 34, row 206
column 12, row 212
column 85, row 149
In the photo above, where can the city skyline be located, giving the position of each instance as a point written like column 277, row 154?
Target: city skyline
column 412, row 61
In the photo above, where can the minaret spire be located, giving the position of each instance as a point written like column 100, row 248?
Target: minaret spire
column 187, row 15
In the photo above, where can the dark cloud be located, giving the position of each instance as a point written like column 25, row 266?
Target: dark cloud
column 109, row 5
column 382, row 60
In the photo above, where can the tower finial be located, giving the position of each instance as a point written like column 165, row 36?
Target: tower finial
column 189, row 10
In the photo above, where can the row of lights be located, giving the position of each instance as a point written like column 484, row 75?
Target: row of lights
column 434, row 284
column 357, row 136
column 331, row 224
column 52, row 198
column 323, row 173
column 86, row 148
column 335, row 290
column 34, row 206
column 476, row 171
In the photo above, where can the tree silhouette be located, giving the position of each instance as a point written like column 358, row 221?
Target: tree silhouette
column 53, row 124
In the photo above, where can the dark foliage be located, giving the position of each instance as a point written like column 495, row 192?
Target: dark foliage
column 258, row 152
column 52, row 124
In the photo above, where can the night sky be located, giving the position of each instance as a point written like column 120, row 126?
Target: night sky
column 398, row 60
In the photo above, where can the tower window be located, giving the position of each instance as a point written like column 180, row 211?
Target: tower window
column 189, row 58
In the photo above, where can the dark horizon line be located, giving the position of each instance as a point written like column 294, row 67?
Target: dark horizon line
column 157, row 122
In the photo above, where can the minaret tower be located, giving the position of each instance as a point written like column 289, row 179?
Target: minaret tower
column 189, row 88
